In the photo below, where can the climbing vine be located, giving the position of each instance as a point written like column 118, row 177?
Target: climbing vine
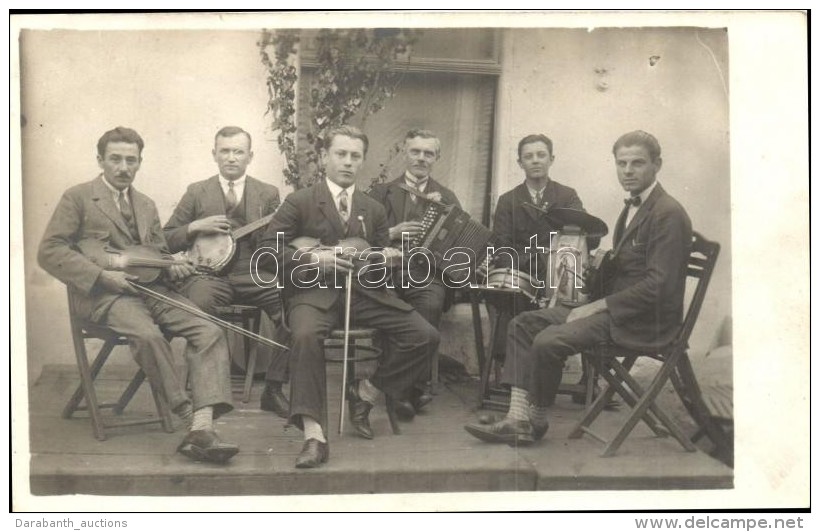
column 357, row 71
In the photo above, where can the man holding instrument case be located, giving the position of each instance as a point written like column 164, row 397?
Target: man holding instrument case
column 329, row 212
column 108, row 212
column 641, row 303
column 216, row 206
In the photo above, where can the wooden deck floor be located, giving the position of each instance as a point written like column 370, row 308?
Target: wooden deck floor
column 433, row 454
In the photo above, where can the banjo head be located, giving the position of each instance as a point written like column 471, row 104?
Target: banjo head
column 212, row 252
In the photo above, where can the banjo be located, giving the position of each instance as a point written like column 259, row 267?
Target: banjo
column 213, row 252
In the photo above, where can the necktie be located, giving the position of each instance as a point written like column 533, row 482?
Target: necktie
column 230, row 198
column 125, row 209
column 634, row 200
column 538, row 197
column 417, row 185
column 344, row 210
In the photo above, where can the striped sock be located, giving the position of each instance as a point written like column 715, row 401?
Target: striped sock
column 203, row 419
column 518, row 404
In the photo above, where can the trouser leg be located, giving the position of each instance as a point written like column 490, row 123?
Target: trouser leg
column 413, row 341
column 130, row 317
column 207, row 353
column 309, row 327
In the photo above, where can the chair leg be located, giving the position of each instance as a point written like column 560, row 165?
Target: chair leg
column 87, row 375
column 251, row 348
column 390, row 406
column 598, row 405
column 129, row 392
column 489, row 366
column 162, row 409
column 434, row 381
column 647, row 401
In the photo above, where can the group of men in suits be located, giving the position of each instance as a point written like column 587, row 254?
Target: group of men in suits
column 645, row 303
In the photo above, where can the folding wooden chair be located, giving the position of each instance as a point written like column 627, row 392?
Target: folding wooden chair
column 702, row 259
column 82, row 330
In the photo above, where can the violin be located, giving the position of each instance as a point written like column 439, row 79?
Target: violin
column 145, row 263
column 354, row 249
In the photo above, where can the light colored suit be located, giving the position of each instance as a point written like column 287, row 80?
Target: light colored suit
column 88, row 211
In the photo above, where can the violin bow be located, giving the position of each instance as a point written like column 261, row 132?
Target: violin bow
column 348, row 292
column 204, row 315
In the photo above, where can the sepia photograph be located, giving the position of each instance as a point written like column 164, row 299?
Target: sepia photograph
column 430, row 260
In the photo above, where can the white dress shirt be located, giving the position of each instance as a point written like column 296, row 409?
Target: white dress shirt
column 634, row 209
column 238, row 187
column 336, row 191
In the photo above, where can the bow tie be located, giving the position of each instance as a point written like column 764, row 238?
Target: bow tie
column 635, row 200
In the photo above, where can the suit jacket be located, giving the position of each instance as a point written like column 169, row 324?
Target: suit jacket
column 88, row 211
column 650, row 261
column 311, row 212
column 514, row 224
column 394, row 198
column 205, row 198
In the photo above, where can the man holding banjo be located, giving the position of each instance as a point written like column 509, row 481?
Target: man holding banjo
column 215, row 222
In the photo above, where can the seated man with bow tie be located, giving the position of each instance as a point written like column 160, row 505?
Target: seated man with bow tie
column 217, row 205
column 641, row 307
column 329, row 212
column 109, row 213
column 414, row 283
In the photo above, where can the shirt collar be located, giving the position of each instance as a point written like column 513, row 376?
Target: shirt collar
column 236, row 182
column 533, row 192
column 413, row 180
column 647, row 191
column 115, row 191
column 335, row 189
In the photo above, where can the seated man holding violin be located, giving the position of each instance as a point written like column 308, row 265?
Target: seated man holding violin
column 104, row 222
column 216, row 220
column 332, row 213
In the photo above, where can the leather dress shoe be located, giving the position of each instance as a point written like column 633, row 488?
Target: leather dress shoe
column 505, row 431
column 205, row 446
column 407, row 409
column 273, row 400
column 539, row 429
column 359, row 410
column 314, row 453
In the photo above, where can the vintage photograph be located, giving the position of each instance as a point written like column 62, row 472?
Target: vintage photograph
column 548, row 206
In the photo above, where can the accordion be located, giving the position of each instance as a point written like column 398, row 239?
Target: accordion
column 446, row 228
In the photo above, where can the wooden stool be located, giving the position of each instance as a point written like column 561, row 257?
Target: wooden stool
column 82, row 330
column 359, row 353
column 247, row 317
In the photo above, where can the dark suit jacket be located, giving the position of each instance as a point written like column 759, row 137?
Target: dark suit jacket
column 310, row 212
column 205, row 198
column 514, row 224
column 88, row 211
column 651, row 254
column 394, row 199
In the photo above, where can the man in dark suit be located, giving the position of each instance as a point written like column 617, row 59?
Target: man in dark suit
column 217, row 205
column 642, row 307
column 329, row 212
column 515, row 225
column 94, row 221
column 405, row 211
